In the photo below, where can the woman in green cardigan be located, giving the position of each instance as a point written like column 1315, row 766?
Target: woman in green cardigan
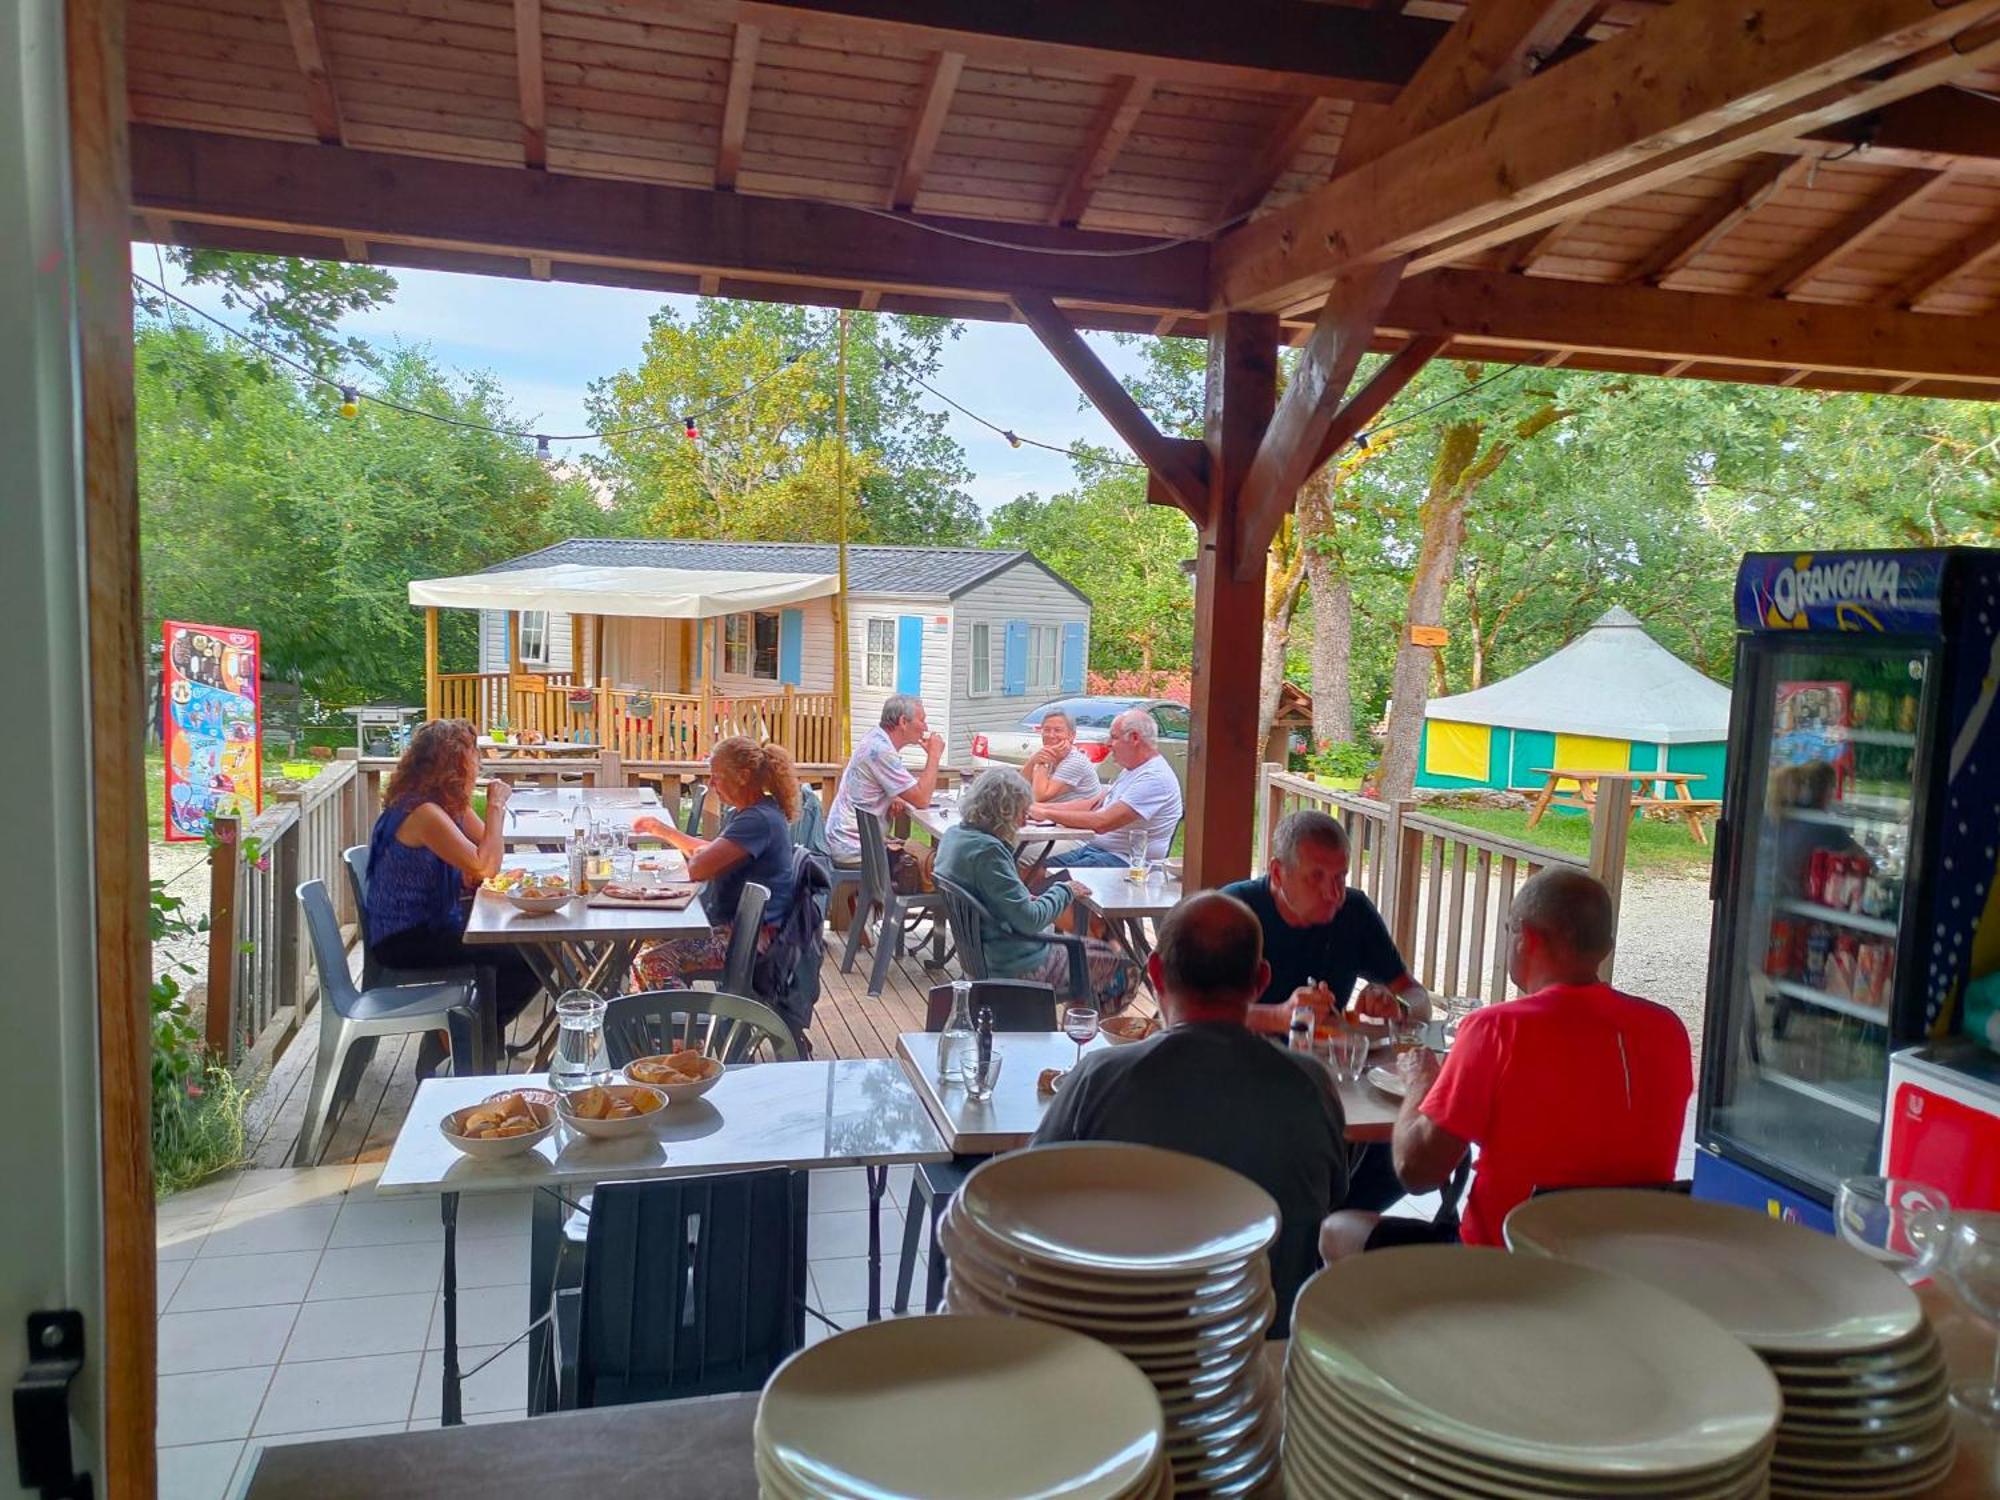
column 977, row 855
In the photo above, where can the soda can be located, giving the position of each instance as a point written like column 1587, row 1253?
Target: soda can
column 1816, row 875
column 1819, row 949
column 1841, row 966
column 1868, row 965
column 1906, row 714
column 1781, row 952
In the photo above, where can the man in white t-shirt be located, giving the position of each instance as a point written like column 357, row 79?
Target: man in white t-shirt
column 876, row 778
column 1059, row 772
column 1146, row 796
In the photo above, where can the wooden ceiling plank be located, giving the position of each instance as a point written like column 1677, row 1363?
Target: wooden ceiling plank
column 1700, row 82
column 529, row 83
column 540, row 267
column 1301, row 120
column 1171, row 459
column 736, row 105
column 934, row 104
column 1766, row 175
column 1125, row 99
column 1850, row 234
column 1967, row 253
column 302, row 22
column 1596, row 321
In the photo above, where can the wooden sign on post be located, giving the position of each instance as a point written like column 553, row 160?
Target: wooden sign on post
column 1429, row 635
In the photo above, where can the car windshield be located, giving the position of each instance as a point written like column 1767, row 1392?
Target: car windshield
column 1085, row 713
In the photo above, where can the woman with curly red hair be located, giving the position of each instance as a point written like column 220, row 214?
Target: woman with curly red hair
column 428, row 849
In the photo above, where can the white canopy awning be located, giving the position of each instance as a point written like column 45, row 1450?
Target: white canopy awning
column 659, row 593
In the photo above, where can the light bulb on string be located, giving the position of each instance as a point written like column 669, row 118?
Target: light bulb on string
column 1012, row 440
column 693, row 433
column 350, row 401
column 542, row 448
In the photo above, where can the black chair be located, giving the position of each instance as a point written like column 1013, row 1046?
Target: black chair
column 485, row 1057
column 968, row 934
column 694, row 1287
column 898, row 910
column 1017, row 1005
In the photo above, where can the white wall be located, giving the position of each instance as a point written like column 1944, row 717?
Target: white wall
column 866, row 702
column 1023, row 592
column 815, row 654
column 493, row 642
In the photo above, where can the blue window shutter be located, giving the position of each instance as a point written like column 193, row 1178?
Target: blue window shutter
column 1072, row 658
column 791, row 644
column 910, row 654
column 1014, row 670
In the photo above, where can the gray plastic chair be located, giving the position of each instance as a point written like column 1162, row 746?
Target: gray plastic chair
column 348, row 1015
column 486, row 1059
column 968, row 921
column 727, row 1027
column 733, row 978
column 897, row 909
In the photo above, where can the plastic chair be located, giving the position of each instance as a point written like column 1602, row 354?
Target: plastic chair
column 348, row 1015
column 733, row 978
column 879, row 894
column 968, row 934
column 485, row 1058
column 729, row 1028
column 697, row 805
column 1017, row 1005
column 690, row 1288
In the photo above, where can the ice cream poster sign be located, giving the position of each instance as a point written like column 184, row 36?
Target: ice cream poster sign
column 210, row 726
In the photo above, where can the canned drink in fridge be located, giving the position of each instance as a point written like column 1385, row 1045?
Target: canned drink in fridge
column 1841, row 965
column 1816, row 875
column 1819, row 948
column 1868, row 965
column 1782, row 950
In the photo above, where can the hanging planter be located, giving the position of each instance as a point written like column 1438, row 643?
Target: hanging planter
column 640, row 706
column 582, row 700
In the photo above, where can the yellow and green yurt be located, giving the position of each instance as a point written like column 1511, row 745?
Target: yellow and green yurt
column 1613, row 699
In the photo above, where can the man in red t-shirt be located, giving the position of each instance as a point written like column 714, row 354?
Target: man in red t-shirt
column 1572, row 1085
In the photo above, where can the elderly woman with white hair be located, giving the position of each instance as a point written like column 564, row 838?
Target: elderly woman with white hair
column 977, row 854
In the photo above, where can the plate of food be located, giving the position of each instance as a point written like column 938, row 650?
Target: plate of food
column 1122, row 1031
column 531, row 891
column 505, row 1125
column 611, row 1111
column 645, row 893
column 1389, row 1081
column 681, row 1074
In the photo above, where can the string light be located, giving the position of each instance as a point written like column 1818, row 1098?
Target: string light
column 542, row 448
column 350, row 405
column 1013, row 441
column 693, row 433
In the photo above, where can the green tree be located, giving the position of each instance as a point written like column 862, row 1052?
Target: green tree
column 293, row 305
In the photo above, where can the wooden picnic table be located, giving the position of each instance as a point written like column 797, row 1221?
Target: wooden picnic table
column 1676, row 795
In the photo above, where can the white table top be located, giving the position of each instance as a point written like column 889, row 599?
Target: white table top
column 1015, row 1111
column 1118, row 898
column 942, row 814
column 495, row 919
column 541, row 815
column 775, row 1114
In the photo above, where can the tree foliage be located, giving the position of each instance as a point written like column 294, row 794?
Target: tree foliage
column 293, row 305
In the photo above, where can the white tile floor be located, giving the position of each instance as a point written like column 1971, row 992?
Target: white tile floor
column 297, row 1306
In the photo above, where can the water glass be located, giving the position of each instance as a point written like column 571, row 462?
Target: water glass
column 1135, row 854
column 1970, row 1265
column 1452, row 1011
column 979, row 1087
column 1900, row 1223
column 1347, row 1054
column 580, row 1059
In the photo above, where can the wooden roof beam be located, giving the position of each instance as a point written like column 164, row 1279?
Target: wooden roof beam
column 1361, row 409
column 1125, row 99
column 528, row 80
column 736, row 105
column 1180, row 464
column 940, row 81
column 1766, row 175
column 1302, row 118
column 1850, row 234
column 1967, row 253
column 1541, row 313
column 288, row 187
column 1702, row 81
column 1289, row 46
column 302, row 22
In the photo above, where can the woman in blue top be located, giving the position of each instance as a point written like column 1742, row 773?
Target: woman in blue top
column 977, row 854
column 428, row 850
column 760, row 787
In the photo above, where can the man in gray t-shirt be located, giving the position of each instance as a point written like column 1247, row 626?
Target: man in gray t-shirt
column 1210, row 1087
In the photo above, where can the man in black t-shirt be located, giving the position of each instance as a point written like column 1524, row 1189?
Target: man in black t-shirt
column 1320, row 936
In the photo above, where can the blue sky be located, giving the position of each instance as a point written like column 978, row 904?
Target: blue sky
column 546, row 341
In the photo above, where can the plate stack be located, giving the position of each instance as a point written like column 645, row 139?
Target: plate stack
column 1862, row 1373
column 985, row 1408
column 1159, row 1255
column 1447, row 1371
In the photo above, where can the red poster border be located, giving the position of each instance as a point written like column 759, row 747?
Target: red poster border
column 169, row 731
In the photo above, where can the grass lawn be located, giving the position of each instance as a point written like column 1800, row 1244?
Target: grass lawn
column 156, row 785
column 1663, row 848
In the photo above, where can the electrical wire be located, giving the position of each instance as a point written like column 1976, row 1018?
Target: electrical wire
column 1013, row 438
column 1149, row 247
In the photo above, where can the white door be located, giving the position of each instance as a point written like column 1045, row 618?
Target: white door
column 49, row 1169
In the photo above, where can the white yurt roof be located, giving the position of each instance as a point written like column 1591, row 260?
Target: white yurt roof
column 1614, row 681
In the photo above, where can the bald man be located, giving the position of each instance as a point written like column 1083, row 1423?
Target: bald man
column 1209, row 1086
column 1572, row 1084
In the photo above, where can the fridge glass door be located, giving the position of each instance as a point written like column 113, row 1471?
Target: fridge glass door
column 1816, row 908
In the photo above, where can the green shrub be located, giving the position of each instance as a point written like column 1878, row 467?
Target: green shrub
column 197, row 1116
column 1351, row 760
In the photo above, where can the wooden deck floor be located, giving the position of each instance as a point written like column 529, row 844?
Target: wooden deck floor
column 846, row 1024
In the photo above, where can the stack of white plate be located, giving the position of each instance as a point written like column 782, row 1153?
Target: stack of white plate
column 1159, row 1255
column 1447, row 1371
column 985, row 1408
column 1862, row 1373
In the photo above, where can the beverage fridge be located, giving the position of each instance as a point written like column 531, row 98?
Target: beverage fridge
column 1856, row 906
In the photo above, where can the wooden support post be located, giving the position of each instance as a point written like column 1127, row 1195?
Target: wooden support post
column 610, row 767
column 1267, row 799
column 1228, row 611
column 788, row 735
column 605, row 717
column 508, row 706
column 223, row 854
column 432, row 688
column 1610, row 831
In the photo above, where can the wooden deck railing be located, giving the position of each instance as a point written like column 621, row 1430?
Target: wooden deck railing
column 260, row 982
column 1444, row 889
column 639, row 725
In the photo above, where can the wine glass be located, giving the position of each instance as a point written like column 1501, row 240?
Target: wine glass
column 1080, row 1026
column 1970, row 1264
column 1894, row 1220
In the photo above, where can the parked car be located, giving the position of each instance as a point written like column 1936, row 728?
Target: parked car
column 1092, row 717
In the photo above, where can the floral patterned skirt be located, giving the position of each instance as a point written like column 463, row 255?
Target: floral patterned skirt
column 1114, row 977
column 665, row 963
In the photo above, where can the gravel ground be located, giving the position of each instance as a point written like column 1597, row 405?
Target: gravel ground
column 185, row 869
column 1663, row 923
